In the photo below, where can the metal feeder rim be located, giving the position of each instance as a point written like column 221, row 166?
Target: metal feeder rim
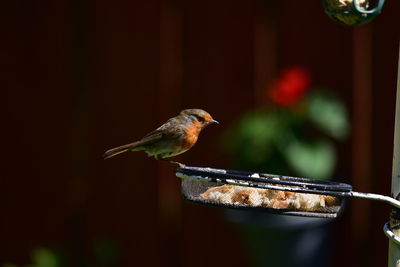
column 306, row 183
column 389, row 233
column 262, row 185
column 376, row 10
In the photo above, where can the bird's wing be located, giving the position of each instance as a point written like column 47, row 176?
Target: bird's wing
column 172, row 129
column 138, row 145
column 169, row 130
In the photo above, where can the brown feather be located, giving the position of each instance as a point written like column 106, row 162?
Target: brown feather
column 118, row 150
column 135, row 146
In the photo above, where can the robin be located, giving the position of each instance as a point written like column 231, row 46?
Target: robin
column 172, row 138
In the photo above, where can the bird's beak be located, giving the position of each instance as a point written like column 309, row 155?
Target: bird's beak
column 214, row 121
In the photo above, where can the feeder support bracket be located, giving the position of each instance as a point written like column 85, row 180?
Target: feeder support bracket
column 394, row 224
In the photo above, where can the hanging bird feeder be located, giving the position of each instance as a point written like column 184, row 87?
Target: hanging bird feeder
column 352, row 12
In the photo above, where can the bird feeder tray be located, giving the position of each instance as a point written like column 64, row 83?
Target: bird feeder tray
column 200, row 181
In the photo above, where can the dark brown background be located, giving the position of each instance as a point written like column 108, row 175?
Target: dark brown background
column 78, row 77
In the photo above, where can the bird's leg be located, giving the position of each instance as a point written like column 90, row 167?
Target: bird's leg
column 181, row 165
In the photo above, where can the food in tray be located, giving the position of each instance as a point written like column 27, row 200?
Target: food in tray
column 269, row 198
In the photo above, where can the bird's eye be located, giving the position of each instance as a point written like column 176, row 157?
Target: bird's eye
column 199, row 118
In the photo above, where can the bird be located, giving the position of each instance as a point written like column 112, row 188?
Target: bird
column 174, row 137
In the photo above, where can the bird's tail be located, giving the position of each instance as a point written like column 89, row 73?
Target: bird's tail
column 121, row 149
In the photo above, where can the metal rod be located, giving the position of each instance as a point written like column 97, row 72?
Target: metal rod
column 394, row 248
column 391, row 201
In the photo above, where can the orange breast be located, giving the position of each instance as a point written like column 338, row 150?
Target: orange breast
column 192, row 133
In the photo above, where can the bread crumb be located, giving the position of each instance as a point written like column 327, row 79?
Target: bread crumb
column 276, row 199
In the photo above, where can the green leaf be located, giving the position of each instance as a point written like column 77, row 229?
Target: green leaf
column 329, row 114
column 313, row 160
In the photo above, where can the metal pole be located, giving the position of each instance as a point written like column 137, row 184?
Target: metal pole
column 394, row 247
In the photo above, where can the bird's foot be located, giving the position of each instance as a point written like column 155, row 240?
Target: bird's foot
column 181, row 165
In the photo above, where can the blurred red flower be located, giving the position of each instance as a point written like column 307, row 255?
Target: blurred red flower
column 290, row 87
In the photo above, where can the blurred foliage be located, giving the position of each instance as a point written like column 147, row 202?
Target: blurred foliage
column 296, row 134
column 329, row 114
column 41, row 257
column 105, row 252
column 44, row 258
